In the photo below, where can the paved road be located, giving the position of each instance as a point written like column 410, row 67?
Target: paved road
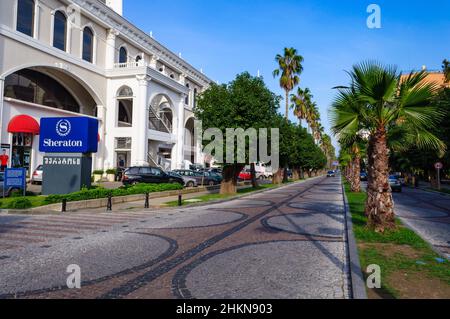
column 284, row 243
column 428, row 214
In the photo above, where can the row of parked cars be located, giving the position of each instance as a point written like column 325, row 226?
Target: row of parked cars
column 154, row 175
column 395, row 181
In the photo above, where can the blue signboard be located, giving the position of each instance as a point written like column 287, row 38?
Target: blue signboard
column 68, row 135
column 15, row 178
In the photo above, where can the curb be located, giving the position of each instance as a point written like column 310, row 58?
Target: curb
column 358, row 285
column 102, row 202
column 431, row 191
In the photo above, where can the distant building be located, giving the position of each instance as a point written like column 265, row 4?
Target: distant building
column 436, row 77
column 81, row 57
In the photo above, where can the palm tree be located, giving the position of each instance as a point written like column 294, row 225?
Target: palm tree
column 446, row 68
column 301, row 102
column 386, row 102
column 289, row 67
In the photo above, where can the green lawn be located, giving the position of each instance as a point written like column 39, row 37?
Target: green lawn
column 399, row 253
column 36, row 201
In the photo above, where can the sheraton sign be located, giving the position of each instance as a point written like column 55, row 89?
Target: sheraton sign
column 69, row 135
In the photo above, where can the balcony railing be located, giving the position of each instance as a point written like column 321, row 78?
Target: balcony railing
column 127, row 65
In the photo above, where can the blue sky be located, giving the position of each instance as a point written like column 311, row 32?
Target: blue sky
column 226, row 37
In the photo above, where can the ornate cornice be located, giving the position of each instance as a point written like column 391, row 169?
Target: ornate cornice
column 110, row 19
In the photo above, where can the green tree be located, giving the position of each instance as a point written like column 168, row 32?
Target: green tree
column 245, row 103
column 446, row 69
column 385, row 102
column 289, row 69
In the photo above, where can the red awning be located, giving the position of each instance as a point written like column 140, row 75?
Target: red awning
column 23, row 124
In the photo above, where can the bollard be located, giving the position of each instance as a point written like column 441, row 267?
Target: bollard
column 64, row 205
column 147, row 202
column 109, row 205
column 180, row 199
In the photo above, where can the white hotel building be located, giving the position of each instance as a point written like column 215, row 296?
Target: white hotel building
column 63, row 58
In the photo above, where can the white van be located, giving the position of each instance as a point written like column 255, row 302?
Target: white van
column 262, row 171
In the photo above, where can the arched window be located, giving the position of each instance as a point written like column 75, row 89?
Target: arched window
column 35, row 87
column 25, row 17
column 125, row 92
column 60, row 31
column 123, row 55
column 195, row 97
column 186, row 100
column 88, row 45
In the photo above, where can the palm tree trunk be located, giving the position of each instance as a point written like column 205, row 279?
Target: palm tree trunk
column 287, row 105
column 380, row 204
column 355, row 180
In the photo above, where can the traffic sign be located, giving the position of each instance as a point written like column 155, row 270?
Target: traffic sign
column 439, row 165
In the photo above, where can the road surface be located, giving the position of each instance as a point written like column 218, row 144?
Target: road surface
column 288, row 242
column 428, row 214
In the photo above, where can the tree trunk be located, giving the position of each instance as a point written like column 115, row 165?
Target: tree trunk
column 379, row 205
column 230, row 178
column 253, row 174
column 295, row 174
column 285, row 174
column 287, row 105
column 278, row 177
column 355, row 179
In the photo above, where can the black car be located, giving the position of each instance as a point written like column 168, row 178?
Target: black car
column 363, row 176
column 149, row 175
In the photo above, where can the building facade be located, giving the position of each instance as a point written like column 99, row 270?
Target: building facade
column 63, row 58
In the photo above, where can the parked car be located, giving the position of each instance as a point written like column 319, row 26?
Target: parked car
column 202, row 178
column 331, row 174
column 149, row 175
column 363, row 176
column 7, row 191
column 188, row 181
column 245, row 175
column 36, row 178
column 395, row 183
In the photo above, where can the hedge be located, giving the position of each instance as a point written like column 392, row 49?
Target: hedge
column 97, row 193
column 20, row 203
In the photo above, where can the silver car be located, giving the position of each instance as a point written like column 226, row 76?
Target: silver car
column 36, row 178
column 188, row 181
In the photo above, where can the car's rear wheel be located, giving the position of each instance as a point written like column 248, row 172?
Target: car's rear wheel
column 211, row 183
column 190, row 184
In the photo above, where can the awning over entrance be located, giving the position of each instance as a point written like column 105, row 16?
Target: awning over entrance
column 23, row 124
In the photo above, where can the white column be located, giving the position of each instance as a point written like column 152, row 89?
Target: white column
column 101, row 114
column 110, row 48
column 180, row 131
column 2, row 86
column 139, row 153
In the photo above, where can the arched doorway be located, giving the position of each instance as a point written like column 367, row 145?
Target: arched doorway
column 189, row 141
column 125, row 107
column 161, row 114
column 31, row 94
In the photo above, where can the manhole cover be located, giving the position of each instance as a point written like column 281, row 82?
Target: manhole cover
column 46, row 246
column 4, row 257
column 78, row 238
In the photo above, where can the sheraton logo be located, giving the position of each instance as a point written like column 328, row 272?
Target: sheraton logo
column 68, row 143
column 63, row 128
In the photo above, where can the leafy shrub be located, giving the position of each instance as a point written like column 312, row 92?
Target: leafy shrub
column 98, row 172
column 99, row 192
column 20, row 203
column 111, row 171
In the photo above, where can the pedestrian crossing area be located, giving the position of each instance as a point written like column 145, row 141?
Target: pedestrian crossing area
column 20, row 231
